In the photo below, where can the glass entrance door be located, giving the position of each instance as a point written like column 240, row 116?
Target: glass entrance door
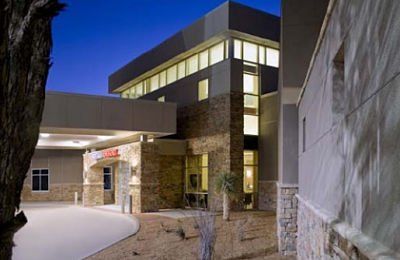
column 196, row 181
column 250, row 178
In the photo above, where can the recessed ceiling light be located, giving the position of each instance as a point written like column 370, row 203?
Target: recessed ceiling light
column 104, row 137
column 44, row 135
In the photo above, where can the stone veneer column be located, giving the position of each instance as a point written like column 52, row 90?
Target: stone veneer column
column 286, row 216
column 93, row 188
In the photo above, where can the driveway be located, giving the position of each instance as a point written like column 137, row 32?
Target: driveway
column 60, row 231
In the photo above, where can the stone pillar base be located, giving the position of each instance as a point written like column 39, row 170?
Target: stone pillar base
column 286, row 216
column 93, row 194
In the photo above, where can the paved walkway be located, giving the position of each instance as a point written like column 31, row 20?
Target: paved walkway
column 60, row 231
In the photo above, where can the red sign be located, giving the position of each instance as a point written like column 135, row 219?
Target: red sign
column 110, row 153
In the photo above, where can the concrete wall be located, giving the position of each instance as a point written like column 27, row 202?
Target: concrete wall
column 65, row 175
column 349, row 169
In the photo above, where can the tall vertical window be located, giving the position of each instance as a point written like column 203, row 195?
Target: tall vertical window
column 154, row 83
column 139, row 89
column 237, row 49
column 203, row 89
column 181, row 69
column 163, row 78
column 192, row 64
column 261, row 54
column 272, row 57
column 250, row 178
column 171, row 74
column 196, row 180
column 107, row 173
column 250, row 52
column 40, row 179
column 217, row 53
column 250, row 100
column 203, row 59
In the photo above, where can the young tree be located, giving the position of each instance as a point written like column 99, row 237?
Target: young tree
column 25, row 43
column 227, row 184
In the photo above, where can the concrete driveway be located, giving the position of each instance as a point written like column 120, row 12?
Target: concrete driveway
column 60, row 231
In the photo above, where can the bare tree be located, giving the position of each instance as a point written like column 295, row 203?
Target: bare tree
column 25, row 44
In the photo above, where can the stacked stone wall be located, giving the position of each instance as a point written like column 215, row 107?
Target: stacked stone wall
column 287, row 219
column 57, row 192
column 171, row 176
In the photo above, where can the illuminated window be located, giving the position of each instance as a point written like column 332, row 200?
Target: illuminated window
column 226, row 49
column 139, row 89
column 107, row 173
column 196, row 180
column 163, row 78
column 217, row 53
column 171, row 74
column 272, row 57
column 250, row 125
column 203, row 60
column 237, row 49
column 250, row 178
column 132, row 92
column 161, row 99
column 261, row 54
column 250, row 84
column 154, row 83
column 250, row 105
column 125, row 94
column 181, row 69
column 203, row 89
column 192, row 64
column 250, row 52
column 40, row 179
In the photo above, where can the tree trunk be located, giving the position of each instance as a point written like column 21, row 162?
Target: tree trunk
column 225, row 206
column 25, row 42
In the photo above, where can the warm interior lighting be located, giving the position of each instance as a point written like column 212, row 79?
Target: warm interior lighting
column 44, row 135
column 248, row 173
column 104, row 137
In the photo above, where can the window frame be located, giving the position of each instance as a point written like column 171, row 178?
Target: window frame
column 40, row 179
column 111, row 177
column 198, row 89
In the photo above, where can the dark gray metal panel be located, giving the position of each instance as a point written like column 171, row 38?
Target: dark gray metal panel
column 269, row 79
column 289, row 144
column 227, row 16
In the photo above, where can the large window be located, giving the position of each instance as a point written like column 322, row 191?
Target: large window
column 196, row 180
column 250, row 52
column 250, row 178
column 250, row 99
column 255, row 53
column 107, row 173
column 203, row 59
column 171, row 74
column 217, row 53
column 40, row 179
column 203, row 89
column 193, row 64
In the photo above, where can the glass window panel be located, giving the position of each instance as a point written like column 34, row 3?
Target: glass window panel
column 107, row 181
column 261, row 54
column 203, row 60
column 193, row 64
column 217, row 53
column 132, row 92
column 181, row 70
column 249, row 158
column 35, row 182
column 204, row 160
column 203, row 89
column 44, row 172
column 147, row 88
column 125, row 94
column 191, row 162
column 237, row 49
column 44, row 183
column 250, row 52
column 107, row 170
column 171, row 74
column 154, row 83
column 139, row 89
column 251, row 105
column 35, row 172
column 226, row 49
column 163, row 78
column 204, row 179
column 250, row 84
column 161, row 99
column 272, row 57
column 250, row 125
column 250, row 173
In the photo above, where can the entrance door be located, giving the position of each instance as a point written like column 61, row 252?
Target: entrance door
column 124, row 174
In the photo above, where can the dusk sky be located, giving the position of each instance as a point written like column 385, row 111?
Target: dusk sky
column 92, row 39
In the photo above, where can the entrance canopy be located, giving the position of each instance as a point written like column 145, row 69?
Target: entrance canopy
column 76, row 121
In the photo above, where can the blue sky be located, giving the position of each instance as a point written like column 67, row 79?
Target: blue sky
column 93, row 38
